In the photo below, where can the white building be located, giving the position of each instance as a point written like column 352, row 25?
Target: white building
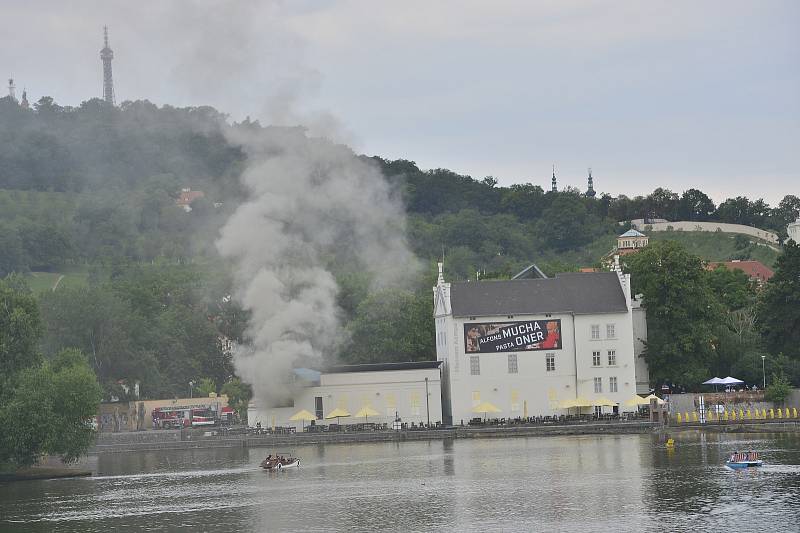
column 793, row 230
column 528, row 345
column 411, row 391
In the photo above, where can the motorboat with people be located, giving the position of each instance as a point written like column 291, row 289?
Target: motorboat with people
column 744, row 460
column 279, row 462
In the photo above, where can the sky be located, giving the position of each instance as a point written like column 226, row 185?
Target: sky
column 673, row 94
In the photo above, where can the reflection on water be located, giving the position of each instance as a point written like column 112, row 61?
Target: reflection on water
column 592, row 483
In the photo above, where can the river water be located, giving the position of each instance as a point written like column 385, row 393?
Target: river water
column 576, row 484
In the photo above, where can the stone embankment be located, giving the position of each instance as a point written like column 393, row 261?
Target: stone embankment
column 177, row 439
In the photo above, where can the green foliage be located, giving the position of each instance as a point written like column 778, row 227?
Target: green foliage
column 779, row 389
column 779, row 306
column 732, row 288
column 43, row 406
column 20, row 328
column 239, row 395
column 681, row 312
column 206, row 387
column 50, row 409
column 392, row 325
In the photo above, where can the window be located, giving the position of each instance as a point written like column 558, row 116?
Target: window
column 612, row 358
column 610, row 331
column 318, row 407
column 612, row 384
column 598, row 385
column 595, row 331
column 595, row 358
column 550, row 362
column 512, row 363
column 474, row 365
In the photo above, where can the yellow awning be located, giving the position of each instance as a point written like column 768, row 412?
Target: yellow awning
column 580, row 401
column 602, row 401
column 637, row 400
column 653, row 396
column 338, row 412
column 485, row 407
column 566, row 404
column 303, row 415
column 367, row 411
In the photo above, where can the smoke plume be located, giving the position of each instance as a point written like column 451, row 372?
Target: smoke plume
column 313, row 207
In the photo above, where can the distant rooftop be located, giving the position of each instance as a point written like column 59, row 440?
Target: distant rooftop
column 579, row 293
column 376, row 367
column 632, row 233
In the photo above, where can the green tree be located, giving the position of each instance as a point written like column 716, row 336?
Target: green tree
column 779, row 307
column 391, row 326
column 20, row 329
column 239, row 395
column 205, row 387
column 681, row 312
column 779, row 389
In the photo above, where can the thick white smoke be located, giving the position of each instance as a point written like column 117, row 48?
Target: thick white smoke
column 312, row 204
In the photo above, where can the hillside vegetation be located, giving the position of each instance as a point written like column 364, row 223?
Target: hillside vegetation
column 90, row 193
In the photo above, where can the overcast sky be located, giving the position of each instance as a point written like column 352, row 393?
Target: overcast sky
column 675, row 94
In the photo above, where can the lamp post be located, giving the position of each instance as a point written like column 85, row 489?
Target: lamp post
column 191, row 388
column 427, row 404
column 764, row 371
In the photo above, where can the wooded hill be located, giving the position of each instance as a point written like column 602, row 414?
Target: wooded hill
column 89, row 193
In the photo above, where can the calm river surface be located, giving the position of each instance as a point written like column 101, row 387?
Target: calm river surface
column 575, row 484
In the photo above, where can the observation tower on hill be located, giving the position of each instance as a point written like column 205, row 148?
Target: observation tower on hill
column 106, row 55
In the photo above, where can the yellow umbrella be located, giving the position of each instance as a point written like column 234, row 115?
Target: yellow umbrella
column 304, row 415
column 637, row 400
column 367, row 411
column 485, row 407
column 337, row 413
column 602, row 401
column 566, row 404
column 653, row 396
column 580, row 401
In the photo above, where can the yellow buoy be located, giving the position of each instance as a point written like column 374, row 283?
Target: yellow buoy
column 679, row 418
column 771, row 413
column 741, row 414
column 748, row 414
column 787, row 412
column 764, row 414
column 780, row 413
column 725, row 415
column 794, row 412
column 670, row 443
column 694, row 416
column 733, row 414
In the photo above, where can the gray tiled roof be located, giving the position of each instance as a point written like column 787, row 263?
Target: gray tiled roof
column 579, row 293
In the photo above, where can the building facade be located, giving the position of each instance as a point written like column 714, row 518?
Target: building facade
column 528, row 345
column 410, row 391
column 793, row 230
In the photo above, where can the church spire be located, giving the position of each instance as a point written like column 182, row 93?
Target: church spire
column 590, row 192
column 554, row 188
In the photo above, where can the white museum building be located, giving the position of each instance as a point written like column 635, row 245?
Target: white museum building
column 529, row 347
column 411, row 391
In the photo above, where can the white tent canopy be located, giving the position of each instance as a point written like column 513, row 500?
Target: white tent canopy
column 730, row 381
column 713, row 381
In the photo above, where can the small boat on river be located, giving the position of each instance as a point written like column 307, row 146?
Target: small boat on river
column 279, row 462
column 744, row 460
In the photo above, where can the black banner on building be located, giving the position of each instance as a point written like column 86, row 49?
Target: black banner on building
column 530, row 335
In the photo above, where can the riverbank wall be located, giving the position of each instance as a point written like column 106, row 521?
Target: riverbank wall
column 176, row 439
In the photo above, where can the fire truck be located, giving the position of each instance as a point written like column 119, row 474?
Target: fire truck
column 190, row 416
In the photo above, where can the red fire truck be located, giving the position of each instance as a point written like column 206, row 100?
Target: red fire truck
column 190, row 416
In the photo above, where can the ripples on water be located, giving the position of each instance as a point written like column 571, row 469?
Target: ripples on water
column 576, row 484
